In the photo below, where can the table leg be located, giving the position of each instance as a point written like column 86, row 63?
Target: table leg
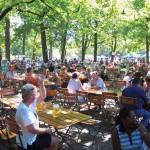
column 63, row 138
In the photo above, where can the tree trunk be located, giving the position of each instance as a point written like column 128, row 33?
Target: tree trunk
column 33, row 56
column 147, row 50
column 7, row 40
column 63, row 46
column 43, row 41
column 83, row 53
column 23, row 43
column 114, row 46
column 95, row 47
column 51, row 50
column 83, row 47
column 95, row 42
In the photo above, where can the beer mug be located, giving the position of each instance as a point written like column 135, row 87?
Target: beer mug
column 15, row 76
column 39, row 107
column 56, row 110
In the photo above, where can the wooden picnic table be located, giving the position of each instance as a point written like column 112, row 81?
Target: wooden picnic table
column 67, row 118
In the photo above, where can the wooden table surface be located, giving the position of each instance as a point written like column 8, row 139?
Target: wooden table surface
column 66, row 118
column 95, row 91
column 12, row 100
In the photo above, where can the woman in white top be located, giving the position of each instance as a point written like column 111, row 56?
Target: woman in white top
column 33, row 136
column 75, row 85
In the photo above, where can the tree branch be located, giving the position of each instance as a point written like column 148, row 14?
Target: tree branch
column 43, row 1
column 31, row 12
column 7, row 10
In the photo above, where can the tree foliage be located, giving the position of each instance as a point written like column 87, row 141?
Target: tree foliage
column 120, row 26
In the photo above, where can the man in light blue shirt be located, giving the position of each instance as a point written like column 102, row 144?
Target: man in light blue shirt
column 96, row 82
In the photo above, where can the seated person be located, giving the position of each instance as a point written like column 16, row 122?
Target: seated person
column 103, row 72
column 124, row 69
column 10, row 73
column 88, row 73
column 96, row 82
column 72, row 68
column 63, row 74
column 138, row 74
column 31, row 78
column 33, row 136
column 9, row 77
column 75, row 85
column 136, row 91
column 56, row 79
column 83, row 71
column 129, row 134
column 128, row 78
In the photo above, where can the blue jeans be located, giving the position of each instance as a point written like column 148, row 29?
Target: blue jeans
column 145, row 114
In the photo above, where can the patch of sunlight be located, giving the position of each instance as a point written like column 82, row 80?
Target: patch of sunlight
column 85, row 131
column 107, row 137
column 88, row 143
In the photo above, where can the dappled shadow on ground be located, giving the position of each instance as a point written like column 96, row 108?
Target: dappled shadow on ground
column 90, row 137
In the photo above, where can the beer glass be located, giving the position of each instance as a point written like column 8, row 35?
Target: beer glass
column 56, row 110
column 39, row 107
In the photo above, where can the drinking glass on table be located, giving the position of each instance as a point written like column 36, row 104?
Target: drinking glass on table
column 56, row 110
column 39, row 107
column 15, row 75
column 86, row 86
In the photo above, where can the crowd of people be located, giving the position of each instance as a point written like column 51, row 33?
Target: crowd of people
column 76, row 75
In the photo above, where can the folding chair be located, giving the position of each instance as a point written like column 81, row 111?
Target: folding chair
column 112, row 106
column 10, row 132
column 94, row 124
column 95, row 99
column 105, row 114
column 70, row 99
column 110, row 98
column 51, row 95
column 130, row 101
column 82, row 95
column 61, row 92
